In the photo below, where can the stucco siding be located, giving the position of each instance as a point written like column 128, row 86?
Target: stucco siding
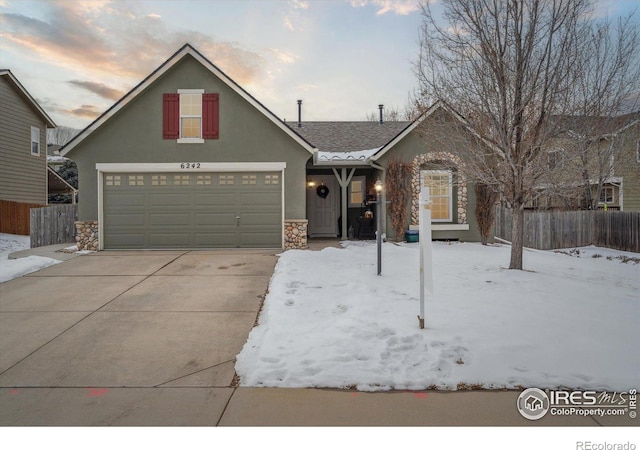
column 23, row 177
column 134, row 135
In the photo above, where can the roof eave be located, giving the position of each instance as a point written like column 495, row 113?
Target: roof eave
column 44, row 116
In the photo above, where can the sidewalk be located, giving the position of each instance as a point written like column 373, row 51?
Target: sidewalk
column 49, row 251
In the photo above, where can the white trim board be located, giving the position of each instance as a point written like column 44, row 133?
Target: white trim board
column 198, row 167
column 445, row 227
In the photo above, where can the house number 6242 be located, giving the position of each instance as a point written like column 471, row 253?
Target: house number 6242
column 190, row 165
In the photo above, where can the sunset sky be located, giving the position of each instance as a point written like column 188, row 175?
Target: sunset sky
column 342, row 57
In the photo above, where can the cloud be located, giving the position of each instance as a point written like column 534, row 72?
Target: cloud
column 299, row 4
column 101, row 89
column 116, row 42
column 287, row 23
column 398, row 7
column 285, row 57
column 292, row 17
column 84, row 111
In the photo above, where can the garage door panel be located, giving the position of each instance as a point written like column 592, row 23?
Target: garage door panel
column 259, row 219
column 123, row 239
column 214, row 218
column 216, row 198
column 169, row 200
column 126, row 199
column 170, row 219
column 168, row 210
column 177, row 239
column 126, row 220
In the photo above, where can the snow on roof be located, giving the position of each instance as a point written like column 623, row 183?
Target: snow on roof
column 56, row 159
column 359, row 155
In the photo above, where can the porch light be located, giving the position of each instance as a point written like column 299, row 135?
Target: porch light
column 311, row 183
column 378, row 186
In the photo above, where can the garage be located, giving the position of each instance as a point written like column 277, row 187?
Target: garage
column 192, row 209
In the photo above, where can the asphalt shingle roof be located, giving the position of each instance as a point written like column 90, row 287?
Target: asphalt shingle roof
column 348, row 136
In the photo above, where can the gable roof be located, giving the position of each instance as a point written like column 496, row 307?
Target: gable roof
column 440, row 104
column 11, row 78
column 187, row 49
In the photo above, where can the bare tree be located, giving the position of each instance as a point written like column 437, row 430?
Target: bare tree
column 398, row 186
column 508, row 66
column 607, row 85
column 60, row 135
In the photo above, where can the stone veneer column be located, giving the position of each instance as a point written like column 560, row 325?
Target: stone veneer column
column 87, row 235
column 295, row 234
column 418, row 162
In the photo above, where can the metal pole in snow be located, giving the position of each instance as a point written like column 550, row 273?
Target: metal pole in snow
column 379, row 223
column 426, row 260
column 379, row 230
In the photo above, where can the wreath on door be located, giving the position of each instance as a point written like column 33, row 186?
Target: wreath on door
column 322, row 191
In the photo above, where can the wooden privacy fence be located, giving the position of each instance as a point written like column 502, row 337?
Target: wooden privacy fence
column 53, row 225
column 564, row 229
column 14, row 217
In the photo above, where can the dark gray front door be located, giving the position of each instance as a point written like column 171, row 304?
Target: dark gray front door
column 192, row 210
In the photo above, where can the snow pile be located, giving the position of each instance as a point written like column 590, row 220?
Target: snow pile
column 329, row 321
column 14, row 268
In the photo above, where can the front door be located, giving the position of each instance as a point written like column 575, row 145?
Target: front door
column 323, row 202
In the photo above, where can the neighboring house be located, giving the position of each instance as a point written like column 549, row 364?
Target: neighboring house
column 603, row 150
column 189, row 159
column 57, row 185
column 23, row 144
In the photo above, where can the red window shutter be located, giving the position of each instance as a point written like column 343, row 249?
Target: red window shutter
column 210, row 122
column 170, row 116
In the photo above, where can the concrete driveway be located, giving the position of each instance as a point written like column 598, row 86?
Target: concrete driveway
column 123, row 333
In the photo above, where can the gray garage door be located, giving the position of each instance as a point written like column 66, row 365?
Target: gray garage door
column 192, row 210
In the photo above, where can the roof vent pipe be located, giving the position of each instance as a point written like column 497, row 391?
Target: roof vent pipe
column 299, row 113
column 381, row 119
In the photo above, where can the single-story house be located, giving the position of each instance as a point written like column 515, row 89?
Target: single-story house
column 189, row 159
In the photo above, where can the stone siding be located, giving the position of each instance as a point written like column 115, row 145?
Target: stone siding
column 295, row 234
column 418, row 162
column 87, row 235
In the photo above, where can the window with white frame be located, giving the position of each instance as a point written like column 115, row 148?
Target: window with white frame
column 35, row 141
column 190, row 113
column 555, row 158
column 357, row 192
column 606, row 194
column 440, row 184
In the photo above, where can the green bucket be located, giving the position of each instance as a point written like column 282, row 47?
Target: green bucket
column 412, row 235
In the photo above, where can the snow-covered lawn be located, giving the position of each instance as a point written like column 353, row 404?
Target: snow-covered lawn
column 566, row 321
column 14, row 268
